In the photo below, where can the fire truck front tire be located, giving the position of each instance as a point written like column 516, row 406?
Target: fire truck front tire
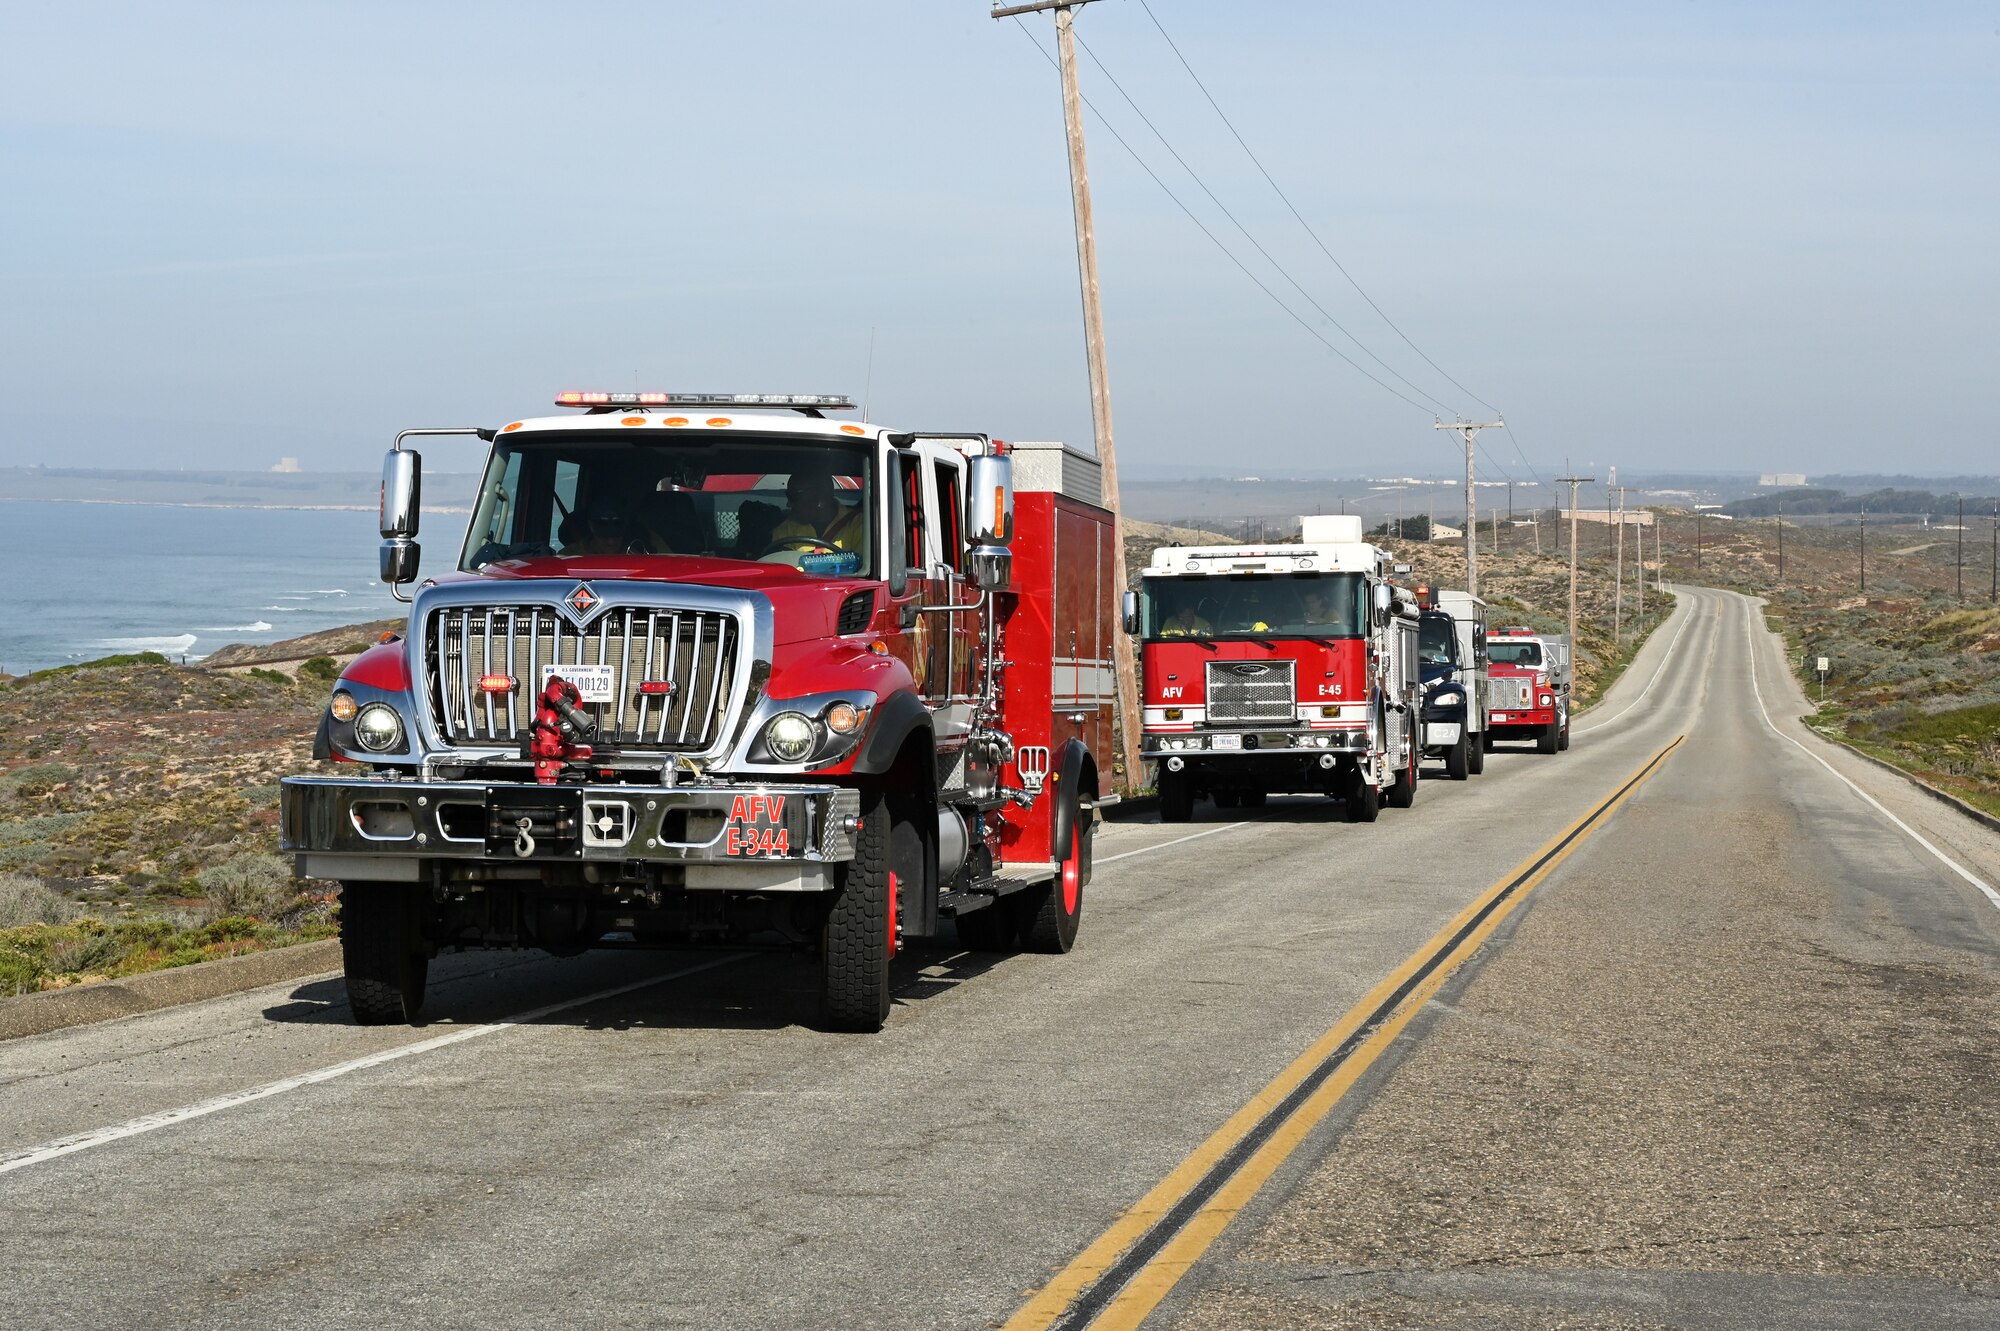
column 1475, row 753
column 1550, row 738
column 1562, row 744
column 1176, row 797
column 1364, row 801
column 1049, row 914
column 1403, row 793
column 383, row 953
column 1458, row 758
column 859, row 935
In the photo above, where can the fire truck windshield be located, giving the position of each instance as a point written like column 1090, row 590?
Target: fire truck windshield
column 778, row 500
column 1437, row 643
column 1322, row 605
column 1501, row 652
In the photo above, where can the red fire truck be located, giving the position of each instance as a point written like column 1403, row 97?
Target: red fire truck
column 1527, row 683
column 716, row 669
column 1280, row 668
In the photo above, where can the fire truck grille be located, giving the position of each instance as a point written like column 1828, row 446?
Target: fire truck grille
column 1257, row 698
column 1511, row 694
column 688, row 658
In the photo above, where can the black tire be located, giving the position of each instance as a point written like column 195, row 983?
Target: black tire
column 1458, row 758
column 1475, row 753
column 1364, row 802
column 1562, row 745
column 1049, row 914
column 1548, row 740
column 1486, row 741
column 1251, row 799
column 383, row 953
column 1403, row 793
column 992, row 929
column 1176, row 797
column 859, row 935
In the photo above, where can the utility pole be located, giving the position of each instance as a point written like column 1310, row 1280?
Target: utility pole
column 1864, row 552
column 1093, row 338
column 1618, row 583
column 1471, row 429
column 1640, row 580
column 1994, row 594
column 1697, row 536
column 1781, row 540
column 1961, row 547
column 1572, row 482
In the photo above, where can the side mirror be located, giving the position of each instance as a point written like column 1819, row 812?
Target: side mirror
column 989, row 521
column 402, row 489
column 1131, row 612
column 1385, row 597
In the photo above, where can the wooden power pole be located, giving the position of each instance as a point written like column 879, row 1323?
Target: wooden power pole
column 1572, row 482
column 1471, row 429
column 1618, row 578
column 1093, row 340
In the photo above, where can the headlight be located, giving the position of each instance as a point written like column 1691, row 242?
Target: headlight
column 789, row 737
column 343, row 706
column 1452, row 699
column 1548, row 701
column 377, row 728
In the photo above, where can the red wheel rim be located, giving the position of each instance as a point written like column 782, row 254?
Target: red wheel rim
column 1072, row 872
column 892, row 914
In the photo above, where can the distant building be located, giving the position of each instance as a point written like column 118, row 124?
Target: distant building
column 289, row 466
column 1782, row 478
column 1440, row 532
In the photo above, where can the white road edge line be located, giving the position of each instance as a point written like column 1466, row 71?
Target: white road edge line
column 166, row 1118
column 1658, row 671
column 1192, row 836
column 1911, row 832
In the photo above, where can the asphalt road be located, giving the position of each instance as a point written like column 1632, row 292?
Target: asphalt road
column 662, row 1139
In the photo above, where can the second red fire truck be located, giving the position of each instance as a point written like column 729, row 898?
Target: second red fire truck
column 1528, row 688
column 1280, row 668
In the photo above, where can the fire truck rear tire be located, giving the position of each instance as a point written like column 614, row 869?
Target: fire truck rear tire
column 1475, row 754
column 1458, row 758
column 1549, row 740
column 1176, row 797
column 382, row 952
column 855, row 941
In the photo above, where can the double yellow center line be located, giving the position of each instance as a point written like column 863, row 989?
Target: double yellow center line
column 1123, row 1275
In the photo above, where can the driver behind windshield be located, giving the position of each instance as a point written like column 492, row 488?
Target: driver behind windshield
column 816, row 513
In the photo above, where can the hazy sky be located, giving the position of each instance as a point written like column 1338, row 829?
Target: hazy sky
column 1666, row 235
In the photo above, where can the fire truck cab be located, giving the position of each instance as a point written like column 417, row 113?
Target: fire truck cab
column 1528, row 688
column 716, row 669
column 1452, row 656
column 1276, row 668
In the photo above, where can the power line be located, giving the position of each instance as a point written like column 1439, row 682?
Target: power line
column 1217, row 242
column 1301, row 217
column 1255, row 243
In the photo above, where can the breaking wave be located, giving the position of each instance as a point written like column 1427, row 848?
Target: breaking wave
column 260, row 626
column 167, row 646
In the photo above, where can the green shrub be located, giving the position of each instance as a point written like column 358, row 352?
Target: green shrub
column 323, row 668
column 277, row 677
column 26, row 900
column 258, row 886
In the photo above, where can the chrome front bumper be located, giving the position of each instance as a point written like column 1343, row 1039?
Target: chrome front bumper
column 771, row 837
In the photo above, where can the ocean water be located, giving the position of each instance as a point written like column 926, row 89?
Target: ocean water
column 89, row 580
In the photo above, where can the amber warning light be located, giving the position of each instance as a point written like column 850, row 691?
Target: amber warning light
column 786, row 401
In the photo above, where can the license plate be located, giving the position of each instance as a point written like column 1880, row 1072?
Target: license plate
column 1227, row 742
column 1499, row 716
column 594, row 683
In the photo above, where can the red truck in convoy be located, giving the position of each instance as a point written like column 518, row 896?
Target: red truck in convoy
column 715, row 669
column 1527, row 681
column 1275, row 668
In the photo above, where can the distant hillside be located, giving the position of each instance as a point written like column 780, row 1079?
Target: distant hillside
column 449, row 492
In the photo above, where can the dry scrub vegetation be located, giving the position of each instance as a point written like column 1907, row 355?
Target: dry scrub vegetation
column 138, row 819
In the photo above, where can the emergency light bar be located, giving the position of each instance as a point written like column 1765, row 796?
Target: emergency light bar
column 784, row 401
